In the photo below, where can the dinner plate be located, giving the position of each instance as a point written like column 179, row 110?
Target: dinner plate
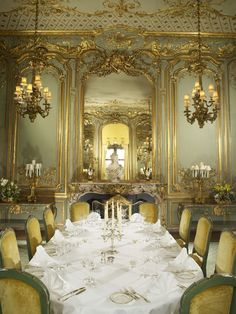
column 185, row 275
column 120, row 298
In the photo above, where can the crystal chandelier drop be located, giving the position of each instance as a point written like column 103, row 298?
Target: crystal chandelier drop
column 32, row 99
column 204, row 110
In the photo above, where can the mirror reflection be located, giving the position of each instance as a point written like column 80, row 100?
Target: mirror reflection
column 117, row 139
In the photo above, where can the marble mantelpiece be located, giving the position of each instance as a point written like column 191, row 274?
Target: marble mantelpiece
column 152, row 188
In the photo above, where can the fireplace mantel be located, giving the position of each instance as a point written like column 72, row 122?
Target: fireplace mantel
column 148, row 191
column 155, row 189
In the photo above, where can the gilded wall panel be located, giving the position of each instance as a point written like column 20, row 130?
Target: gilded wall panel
column 3, row 131
column 232, row 108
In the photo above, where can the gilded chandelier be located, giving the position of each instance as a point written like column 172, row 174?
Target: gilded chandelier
column 204, row 110
column 32, row 99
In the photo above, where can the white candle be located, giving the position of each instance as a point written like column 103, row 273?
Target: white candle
column 112, row 214
column 106, row 212
column 33, row 162
column 119, row 218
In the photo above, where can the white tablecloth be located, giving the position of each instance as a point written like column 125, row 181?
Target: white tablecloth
column 145, row 261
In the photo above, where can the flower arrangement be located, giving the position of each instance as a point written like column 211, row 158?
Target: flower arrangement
column 9, row 190
column 223, row 193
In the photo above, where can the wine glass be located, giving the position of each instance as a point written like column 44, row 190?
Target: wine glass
column 90, row 265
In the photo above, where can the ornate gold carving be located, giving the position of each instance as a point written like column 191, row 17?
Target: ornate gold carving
column 122, row 6
column 120, row 40
column 157, row 190
column 136, row 63
column 15, row 209
column 47, row 179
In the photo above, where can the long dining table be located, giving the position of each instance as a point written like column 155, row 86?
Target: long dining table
column 140, row 270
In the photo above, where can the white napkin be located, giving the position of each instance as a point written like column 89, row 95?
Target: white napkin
column 58, row 237
column 181, row 263
column 137, row 218
column 157, row 228
column 93, row 217
column 54, row 282
column 165, row 284
column 41, row 258
column 69, row 227
column 167, row 241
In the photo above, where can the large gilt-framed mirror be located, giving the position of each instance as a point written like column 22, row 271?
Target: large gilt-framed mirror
column 117, row 119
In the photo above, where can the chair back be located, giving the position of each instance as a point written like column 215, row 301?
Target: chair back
column 226, row 253
column 21, row 292
column 149, row 211
column 125, row 204
column 184, row 227
column 210, row 296
column 49, row 223
column 9, row 252
column 79, row 211
column 202, row 241
column 33, row 235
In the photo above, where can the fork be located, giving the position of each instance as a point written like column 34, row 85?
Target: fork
column 138, row 295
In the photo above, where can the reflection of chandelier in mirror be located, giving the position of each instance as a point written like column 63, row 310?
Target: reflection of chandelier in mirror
column 29, row 96
column 201, row 106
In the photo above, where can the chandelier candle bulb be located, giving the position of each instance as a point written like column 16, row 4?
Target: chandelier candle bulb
column 23, row 81
column 186, row 100
column 197, row 85
column 211, row 89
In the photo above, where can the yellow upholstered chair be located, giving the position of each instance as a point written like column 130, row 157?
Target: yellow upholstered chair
column 79, row 210
column 33, row 235
column 149, row 211
column 9, row 252
column 201, row 242
column 49, row 223
column 22, row 293
column 215, row 295
column 184, row 228
column 226, row 253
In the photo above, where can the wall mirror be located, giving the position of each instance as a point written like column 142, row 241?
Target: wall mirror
column 117, row 127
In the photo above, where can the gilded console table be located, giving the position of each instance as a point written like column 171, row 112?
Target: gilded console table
column 222, row 216
column 14, row 215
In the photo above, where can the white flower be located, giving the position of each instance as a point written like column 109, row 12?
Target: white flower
column 4, row 182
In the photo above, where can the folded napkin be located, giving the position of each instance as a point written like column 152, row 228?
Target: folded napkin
column 181, row 263
column 69, row 226
column 58, row 237
column 93, row 217
column 137, row 218
column 167, row 241
column 41, row 258
column 54, row 282
column 157, row 228
column 166, row 284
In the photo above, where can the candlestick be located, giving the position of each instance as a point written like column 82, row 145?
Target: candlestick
column 33, row 172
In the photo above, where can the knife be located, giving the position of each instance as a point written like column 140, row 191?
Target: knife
column 72, row 293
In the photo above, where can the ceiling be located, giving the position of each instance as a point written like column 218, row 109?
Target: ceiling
column 165, row 17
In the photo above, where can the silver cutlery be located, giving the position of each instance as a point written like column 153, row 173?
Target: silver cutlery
column 138, row 295
column 72, row 293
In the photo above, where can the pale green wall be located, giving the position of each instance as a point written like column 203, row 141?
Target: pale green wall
column 194, row 144
column 38, row 140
